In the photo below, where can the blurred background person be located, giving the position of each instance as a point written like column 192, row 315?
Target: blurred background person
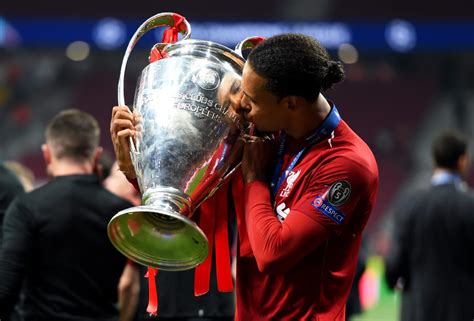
column 14, row 180
column 431, row 251
column 55, row 237
column 10, row 187
column 117, row 183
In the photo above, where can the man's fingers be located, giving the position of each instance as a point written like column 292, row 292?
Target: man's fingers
column 120, row 113
column 123, row 141
column 256, row 139
column 123, row 114
column 120, row 124
column 121, row 120
column 125, row 133
column 250, row 138
column 116, row 109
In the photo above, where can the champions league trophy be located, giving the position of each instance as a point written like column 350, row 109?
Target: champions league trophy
column 186, row 147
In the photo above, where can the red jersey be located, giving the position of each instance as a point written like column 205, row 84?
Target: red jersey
column 305, row 243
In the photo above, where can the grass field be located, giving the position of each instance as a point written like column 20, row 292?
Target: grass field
column 379, row 302
column 385, row 310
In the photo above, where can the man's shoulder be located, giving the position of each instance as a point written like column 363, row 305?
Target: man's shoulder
column 346, row 147
column 48, row 189
column 83, row 189
column 347, row 163
column 418, row 199
column 460, row 193
column 115, row 200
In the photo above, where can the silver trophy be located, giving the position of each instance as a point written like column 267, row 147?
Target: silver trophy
column 186, row 147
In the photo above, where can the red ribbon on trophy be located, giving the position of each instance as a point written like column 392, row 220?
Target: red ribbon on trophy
column 152, row 307
column 170, row 35
column 213, row 222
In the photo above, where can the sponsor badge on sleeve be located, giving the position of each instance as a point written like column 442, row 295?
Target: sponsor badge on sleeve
column 337, row 195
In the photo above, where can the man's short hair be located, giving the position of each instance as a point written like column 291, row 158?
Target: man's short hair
column 295, row 65
column 447, row 148
column 73, row 134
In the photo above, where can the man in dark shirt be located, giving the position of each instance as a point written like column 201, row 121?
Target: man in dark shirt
column 55, row 238
column 433, row 241
column 10, row 187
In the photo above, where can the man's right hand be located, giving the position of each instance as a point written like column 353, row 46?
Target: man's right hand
column 122, row 127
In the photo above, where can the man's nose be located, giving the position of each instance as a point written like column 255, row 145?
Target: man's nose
column 244, row 103
column 236, row 102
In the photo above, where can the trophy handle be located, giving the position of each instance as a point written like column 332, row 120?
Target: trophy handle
column 158, row 20
column 248, row 43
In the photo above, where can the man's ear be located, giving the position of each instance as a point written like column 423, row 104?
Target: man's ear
column 97, row 167
column 464, row 164
column 98, row 154
column 46, row 153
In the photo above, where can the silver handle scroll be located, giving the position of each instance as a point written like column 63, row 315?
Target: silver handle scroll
column 158, row 20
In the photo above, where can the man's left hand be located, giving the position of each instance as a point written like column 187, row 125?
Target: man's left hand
column 258, row 157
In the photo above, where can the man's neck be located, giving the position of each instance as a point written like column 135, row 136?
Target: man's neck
column 308, row 118
column 440, row 170
column 63, row 168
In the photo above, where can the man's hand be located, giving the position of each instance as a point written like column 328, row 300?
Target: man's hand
column 122, row 127
column 258, row 158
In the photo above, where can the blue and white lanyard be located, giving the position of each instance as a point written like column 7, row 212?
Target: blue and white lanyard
column 326, row 128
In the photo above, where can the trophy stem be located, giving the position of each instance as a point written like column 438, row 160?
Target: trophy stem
column 169, row 200
column 159, row 233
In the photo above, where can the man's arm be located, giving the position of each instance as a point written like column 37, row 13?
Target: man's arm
column 17, row 240
column 11, row 187
column 278, row 246
column 128, row 291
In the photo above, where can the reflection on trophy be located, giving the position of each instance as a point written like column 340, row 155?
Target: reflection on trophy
column 186, row 148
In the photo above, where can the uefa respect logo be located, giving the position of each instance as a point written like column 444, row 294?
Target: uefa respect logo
column 326, row 208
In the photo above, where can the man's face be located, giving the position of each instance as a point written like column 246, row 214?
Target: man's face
column 229, row 93
column 229, row 96
column 258, row 105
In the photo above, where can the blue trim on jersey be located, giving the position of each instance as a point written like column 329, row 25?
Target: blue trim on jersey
column 327, row 209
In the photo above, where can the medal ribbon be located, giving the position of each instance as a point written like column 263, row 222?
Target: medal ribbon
column 327, row 127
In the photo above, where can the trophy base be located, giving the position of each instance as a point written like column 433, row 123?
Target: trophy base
column 158, row 237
